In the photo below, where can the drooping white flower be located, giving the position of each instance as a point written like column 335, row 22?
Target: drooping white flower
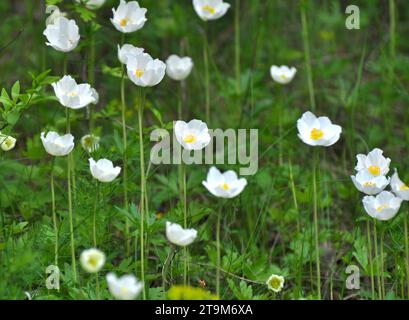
column 317, row 131
column 54, row 13
column 73, row 95
column 92, row 260
column 193, row 135
column 95, row 95
column 57, row 145
column 144, row 71
column 384, row 206
column 282, row 74
column 369, row 184
column 7, row 142
column 92, row 4
column 178, row 68
column 90, row 142
column 210, row 9
column 126, row 287
column 179, row 236
column 62, row 34
column 103, row 170
column 399, row 187
column 224, row 185
column 128, row 50
column 375, row 163
column 275, row 283
column 129, row 16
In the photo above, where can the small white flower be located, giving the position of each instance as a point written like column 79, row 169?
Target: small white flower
column 73, row 95
column 178, row 68
column 103, row 170
column 282, row 74
column 92, row 4
column 128, row 50
column 95, row 95
column 375, row 163
column 179, row 236
column 317, row 131
column 399, row 187
column 92, row 260
column 7, row 142
column 210, row 9
column 54, row 12
column 57, row 145
column 193, row 135
column 144, row 71
column 384, row 206
column 369, row 184
column 275, row 283
column 90, row 142
column 224, row 185
column 126, row 287
column 129, row 17
column 62, row 34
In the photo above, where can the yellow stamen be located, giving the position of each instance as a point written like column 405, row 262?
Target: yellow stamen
column 72, row 94
column 93, row 261
column 123, row 22
column 316, row 134
column 375, row 170
column 403, row 187
column 189, row 138
column 225, row 186
column 381, row 207
column 139, row 73
column 275, row 283
column 209, row 9
column 369, row 184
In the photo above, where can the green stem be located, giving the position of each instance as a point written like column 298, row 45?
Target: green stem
column 185, row 215
column 94, row 219
column 378, row 272
column 237, row 46
column 166, row 266
column 405, row 224
column 368, row 233
column 392, row 34
column 91, row 77
column 316, row 231
column 54, row 214
column 70, row 213
column 143, row 186
column 218, row 253
column 307, row 54
column 97, row 285
column 383, row 262
column 206, row 75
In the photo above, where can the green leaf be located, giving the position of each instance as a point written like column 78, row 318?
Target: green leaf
column 15, row 91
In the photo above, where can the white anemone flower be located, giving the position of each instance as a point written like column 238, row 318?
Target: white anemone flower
column 224, row 185
column 179, row 236
column 375, row 163
column 128, row 50
column 193, row 135
column 62, row 34
column 57, row 145
column 7, row 142
column 103, row 170
column 210, row 9
column 369, row 184
column 129, row 16
column 92, row 4
column 90, row 142
column 399, row 187
column 275, row 283
column 73, row 95
column 283, row 74
column 144, row 71
column 178, row 68
column 317, row 131
column 92, row 260
column 384, row 206
column 126, row 287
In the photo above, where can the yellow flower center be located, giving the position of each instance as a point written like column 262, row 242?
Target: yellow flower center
column 189, row 138
column 375, row 170
column 72, row 94
column 316, row 134
column 369, row 184
column 93, row 261
column 283, row 76
column 275, row 283
column 381, row 207
column 123, row 22
column 403, row 187
column 225, row 186
column 139, row 72
column 209, row 9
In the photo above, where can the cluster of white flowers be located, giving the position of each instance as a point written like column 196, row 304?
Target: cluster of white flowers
column 371, row 179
